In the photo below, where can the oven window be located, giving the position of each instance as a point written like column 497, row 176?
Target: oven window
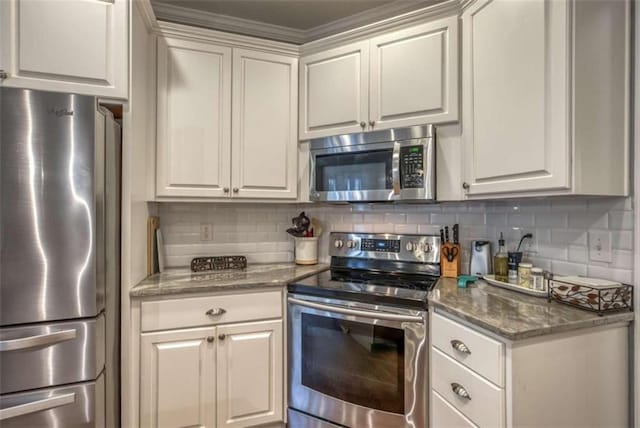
column 370, row 170
column 355, row 362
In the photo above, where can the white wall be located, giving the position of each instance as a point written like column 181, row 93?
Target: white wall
column 560, row 228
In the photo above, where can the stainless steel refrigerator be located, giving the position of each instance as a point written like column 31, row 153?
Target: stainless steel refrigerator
column 59, row 261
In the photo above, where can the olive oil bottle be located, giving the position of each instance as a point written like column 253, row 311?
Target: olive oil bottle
column 501, row 262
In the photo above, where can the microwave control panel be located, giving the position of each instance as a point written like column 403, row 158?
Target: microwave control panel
column 412, row 167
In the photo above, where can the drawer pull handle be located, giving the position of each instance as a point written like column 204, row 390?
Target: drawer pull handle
column 215, row 312
column 460, row 391
column 459, row 346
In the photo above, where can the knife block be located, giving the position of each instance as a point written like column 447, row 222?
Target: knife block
column 450, row 269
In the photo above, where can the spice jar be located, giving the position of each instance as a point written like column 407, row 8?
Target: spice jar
column 524, row 274
column 537, row 279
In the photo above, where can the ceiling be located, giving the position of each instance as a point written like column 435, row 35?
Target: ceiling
column 299, row 18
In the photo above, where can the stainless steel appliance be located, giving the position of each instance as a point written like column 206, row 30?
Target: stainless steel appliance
column 386, row 165
column 358, row 333
column 481, row 262
column 59, row 261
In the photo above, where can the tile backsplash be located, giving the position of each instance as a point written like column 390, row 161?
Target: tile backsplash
column 560, row 228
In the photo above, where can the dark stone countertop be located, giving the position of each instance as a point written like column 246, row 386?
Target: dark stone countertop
column 182, row 280
column 514, row 315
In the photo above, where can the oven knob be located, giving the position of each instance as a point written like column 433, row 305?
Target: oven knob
column 338, row 243
column 351, row 244
column 410, row 246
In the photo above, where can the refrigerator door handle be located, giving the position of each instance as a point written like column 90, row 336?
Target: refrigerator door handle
column 39, row 340
column 37, row 406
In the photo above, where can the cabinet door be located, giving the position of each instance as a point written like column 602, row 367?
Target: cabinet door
column 250, row 374
column 516, row 96
column 265, row 121
column 178, row 378
column 78, row 46
column 414, row 75
column 194, row 119
column 334, row 91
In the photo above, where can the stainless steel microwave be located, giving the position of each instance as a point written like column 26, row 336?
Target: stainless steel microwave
column 386, row 165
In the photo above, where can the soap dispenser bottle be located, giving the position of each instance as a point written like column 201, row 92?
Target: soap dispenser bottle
column 501, row 262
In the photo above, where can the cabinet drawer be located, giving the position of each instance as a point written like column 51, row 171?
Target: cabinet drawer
column 445, row 415
column 485, row 355
column 192, row 312
column 485, row 405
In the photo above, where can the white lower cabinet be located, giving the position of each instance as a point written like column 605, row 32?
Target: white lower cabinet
column 219, row 375
column 573, row 379
column 178, row 378
column 250, row 373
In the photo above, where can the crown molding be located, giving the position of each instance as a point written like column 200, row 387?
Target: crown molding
column 145, row 10
column 190, row 32
column 363, row 24
column 414, row 17
column 215, row 21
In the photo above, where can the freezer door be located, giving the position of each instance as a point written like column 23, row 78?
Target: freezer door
column 78, row 406
column 48, row 207
column 51, row 354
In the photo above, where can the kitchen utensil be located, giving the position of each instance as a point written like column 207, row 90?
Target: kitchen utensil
column 301, row 224
column 456, row 234
column 481, row 262
column 450, row 253
column 446, row 234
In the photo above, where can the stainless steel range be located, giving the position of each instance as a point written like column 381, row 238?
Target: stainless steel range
column 358, row 333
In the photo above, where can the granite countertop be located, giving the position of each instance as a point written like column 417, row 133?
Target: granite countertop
column 182, row 280
column 514, row 315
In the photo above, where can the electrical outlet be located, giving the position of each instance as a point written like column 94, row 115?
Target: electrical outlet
column 600, row 246
column 205, row 232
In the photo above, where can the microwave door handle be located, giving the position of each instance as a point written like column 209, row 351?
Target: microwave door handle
column 356, row 312
column 395, row 168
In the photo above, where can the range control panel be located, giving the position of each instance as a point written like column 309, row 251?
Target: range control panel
column 412, row 167
column 381, row 245
column 409, row 248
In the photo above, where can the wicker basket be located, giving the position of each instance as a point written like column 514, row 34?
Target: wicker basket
column 600, row 299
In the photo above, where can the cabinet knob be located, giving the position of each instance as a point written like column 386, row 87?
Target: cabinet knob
column 222, row 336
column 372, row 123
column 465, row 186
column 236, row 190
column 459, row 346
column 3, row 74
column 210, row 339
column 225, row 190
column 215, row 312
column 363, row 124
column 460, row 391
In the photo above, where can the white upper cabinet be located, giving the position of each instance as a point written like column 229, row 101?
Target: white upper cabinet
column 77, row 46
column 334, row 91
column 227, row 117
column 194, row 119
column 403, row 78
column 414, row 76
column 264, row 136
column 532, row 122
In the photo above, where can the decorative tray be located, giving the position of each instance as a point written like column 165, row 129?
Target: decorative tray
column 491, row 279
column 201, row 264
column 592, row 294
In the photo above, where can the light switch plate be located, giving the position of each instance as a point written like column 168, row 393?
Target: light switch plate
column 600, row 246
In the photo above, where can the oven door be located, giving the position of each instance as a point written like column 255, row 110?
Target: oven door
column 357, row 364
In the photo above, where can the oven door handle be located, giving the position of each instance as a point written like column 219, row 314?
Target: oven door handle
column 356, row 312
